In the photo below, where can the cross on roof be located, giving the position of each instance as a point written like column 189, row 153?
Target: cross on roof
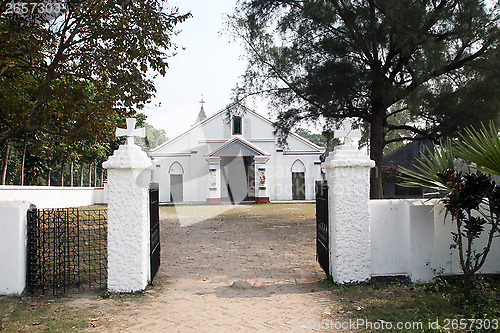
column 202, row 101
column 131, row 131
column 350, row 136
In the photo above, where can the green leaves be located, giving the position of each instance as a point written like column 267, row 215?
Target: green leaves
column 47, row 70
column 429, row 171
column 481, row 147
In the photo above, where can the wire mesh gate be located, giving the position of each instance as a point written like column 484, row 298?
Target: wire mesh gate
column 322, row 239
column 67, row 250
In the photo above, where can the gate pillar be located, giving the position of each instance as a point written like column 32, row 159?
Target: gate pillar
column 348, row 175
column 129, row 175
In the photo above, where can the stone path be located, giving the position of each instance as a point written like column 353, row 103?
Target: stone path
column 272, row 262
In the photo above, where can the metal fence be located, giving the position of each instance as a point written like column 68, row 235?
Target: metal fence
column 154, row 215
column 322, row 237
column 67, row 250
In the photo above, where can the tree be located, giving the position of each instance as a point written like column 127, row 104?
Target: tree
column 154, row 137
column 75, row 73
column 325, row 139
column 333, row 59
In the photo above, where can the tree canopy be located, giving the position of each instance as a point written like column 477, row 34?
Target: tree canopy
column 437, row 61
column 75, row 71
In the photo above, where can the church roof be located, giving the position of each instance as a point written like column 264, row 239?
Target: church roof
column 207, row 119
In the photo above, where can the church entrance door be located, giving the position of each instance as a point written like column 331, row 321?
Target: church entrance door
column 238, row 178
column 298, row 186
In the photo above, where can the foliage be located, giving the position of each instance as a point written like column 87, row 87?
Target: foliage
column 48, row 158
column 472, row 199
column 435, row 61
column 75, row 75
column 325, row 139
column 428, row 168
column 482, row 148
column 154, row 137
column 474, row 206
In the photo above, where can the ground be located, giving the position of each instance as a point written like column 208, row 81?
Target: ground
column 244, row 270
column 224, row 268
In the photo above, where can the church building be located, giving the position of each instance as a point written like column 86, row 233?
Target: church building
column 234, row 156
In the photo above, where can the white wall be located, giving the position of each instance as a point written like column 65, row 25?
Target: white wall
column 52, row 196
column 412, row 238
column 13, row 247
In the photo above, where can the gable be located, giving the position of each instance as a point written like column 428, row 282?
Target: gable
column 237, row 147
column 217, row 128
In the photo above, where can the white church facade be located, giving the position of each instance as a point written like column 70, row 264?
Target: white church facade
column 234, row 156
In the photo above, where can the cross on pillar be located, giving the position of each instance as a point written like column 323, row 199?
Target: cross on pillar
column 350, row 136
column 131, row 131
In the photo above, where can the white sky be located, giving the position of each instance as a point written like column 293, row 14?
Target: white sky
column 209, row 65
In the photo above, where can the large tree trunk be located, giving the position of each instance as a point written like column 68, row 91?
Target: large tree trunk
column 377, row 142
column 23, row 163
column 5, row 162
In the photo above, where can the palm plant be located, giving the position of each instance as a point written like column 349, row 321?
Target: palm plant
column 472, row 199
column 428, row 168
column 481, row 148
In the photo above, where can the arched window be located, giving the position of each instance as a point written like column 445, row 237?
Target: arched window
column 176, row 183
column 298, row 180
column 298, row 166
column 236, row 125
column 176, row 169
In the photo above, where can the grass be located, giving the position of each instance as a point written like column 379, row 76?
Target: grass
column 35, row 314
column 436, row 307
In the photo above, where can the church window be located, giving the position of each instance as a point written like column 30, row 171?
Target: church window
column 236, row 125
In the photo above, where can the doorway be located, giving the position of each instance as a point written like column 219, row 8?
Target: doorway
column 298, row 180
column 176, row 185
column 176, row 191
column 238, row 178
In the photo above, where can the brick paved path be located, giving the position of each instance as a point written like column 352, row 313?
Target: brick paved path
column 201, row 262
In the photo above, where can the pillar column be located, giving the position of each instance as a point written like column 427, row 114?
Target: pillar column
column 261, row 188
column 348, row 175
column 214, row 181
column 129, row 176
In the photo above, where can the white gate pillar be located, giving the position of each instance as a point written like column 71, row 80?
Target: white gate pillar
column 129, row 176
column 348, row 174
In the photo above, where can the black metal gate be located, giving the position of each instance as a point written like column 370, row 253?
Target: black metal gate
column 322, row 251
column 154, row 215
column 66, row 250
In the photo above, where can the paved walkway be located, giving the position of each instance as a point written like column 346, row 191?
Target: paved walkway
column 272, row 262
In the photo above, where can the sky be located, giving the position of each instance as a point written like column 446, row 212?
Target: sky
column 210, row 64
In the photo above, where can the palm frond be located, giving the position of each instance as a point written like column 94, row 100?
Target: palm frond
column 482, row 148
column 426, row 170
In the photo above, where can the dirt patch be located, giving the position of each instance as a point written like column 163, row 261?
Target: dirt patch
column 270, row 249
